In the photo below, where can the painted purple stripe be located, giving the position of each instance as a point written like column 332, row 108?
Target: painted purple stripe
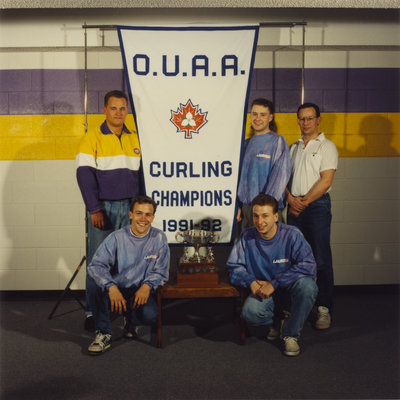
column 329, row 78
column 325, row 79
column 31, row 103
column 15, row 80
column 287, row 79
column 105, row 79
column 4, row 103
column 373, row 78
column 333, row 89
column 262, row 79
column 50, row 80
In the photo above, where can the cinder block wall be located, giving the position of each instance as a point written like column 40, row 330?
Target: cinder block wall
column 42, row 121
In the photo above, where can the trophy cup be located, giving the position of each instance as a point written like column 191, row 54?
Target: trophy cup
column 197, row 270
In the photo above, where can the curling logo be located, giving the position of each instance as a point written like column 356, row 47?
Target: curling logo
column 188, row 118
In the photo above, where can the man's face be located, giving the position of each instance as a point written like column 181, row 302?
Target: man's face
column 265, row 221
column 116, row 111
column 260, row 118
column 141, row 218
column 308, row 121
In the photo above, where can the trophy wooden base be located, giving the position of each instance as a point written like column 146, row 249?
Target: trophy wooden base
column 203, row 274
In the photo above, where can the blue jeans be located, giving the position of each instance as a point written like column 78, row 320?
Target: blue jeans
column 116, row 216
column 315, row 223
column 144, row 315
column 302, row 294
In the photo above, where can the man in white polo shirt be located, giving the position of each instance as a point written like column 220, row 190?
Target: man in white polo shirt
column 314, row 160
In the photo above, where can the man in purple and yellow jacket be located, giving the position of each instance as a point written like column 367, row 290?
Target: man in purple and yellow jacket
column 108, row 177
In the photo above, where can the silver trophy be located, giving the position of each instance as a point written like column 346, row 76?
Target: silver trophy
column 197, row 238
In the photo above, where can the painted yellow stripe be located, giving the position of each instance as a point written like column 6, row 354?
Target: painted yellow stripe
column 45, row 137
column 57, row 137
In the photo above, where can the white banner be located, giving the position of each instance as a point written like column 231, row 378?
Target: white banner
column 189, row 86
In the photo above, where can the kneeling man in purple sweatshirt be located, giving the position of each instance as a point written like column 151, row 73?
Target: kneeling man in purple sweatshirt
column 127, row 268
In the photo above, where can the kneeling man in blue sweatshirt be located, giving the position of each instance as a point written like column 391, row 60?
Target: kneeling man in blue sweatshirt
column 273, row 259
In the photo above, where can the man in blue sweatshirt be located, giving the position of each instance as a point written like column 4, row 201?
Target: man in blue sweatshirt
column 272, row 258
column 266, row 165
column 127, row 268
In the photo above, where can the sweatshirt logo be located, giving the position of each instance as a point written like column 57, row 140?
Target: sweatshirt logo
column 260, row 155
column 154, row 256
column 282, row 260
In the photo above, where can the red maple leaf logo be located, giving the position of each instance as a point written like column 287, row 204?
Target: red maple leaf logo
column 188, row 118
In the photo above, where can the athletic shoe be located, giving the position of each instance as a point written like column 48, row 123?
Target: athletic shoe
column 100, row 344
column 291, row 346
column 272, row 333
column 276, row 331
column 130, row 331
column 323, row 318
column 89, row 323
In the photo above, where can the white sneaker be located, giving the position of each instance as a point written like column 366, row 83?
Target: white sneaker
column 292, row 348
column 323, row 319
column 101, row 343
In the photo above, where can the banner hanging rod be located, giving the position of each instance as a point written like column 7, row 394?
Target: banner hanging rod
column 262, row 25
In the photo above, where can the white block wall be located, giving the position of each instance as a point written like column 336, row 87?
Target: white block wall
column 42, row 230
column 366, row 221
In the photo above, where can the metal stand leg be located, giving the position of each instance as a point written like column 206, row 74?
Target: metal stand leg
column 67, row 289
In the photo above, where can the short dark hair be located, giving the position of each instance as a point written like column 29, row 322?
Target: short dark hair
column 263, row 199
column 141, row 199
column 115, row 93
column 309, row 105
column 270, row 105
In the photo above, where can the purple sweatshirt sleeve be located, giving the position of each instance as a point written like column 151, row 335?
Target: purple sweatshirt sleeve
column 236, row 265
column 86, row 177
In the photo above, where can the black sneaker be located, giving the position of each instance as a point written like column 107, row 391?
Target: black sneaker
column 130, row 331
column 100, row 344
column 89, row 323
column 273, row 333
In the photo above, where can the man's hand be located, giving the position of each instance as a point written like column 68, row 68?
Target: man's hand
column 255, row 286
column 266, row 290
column 98, row 219
column 142, row 295
column 292, row 211
column 262, row 289
column 118, row 302
column 297, row 203
column 239, row 215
